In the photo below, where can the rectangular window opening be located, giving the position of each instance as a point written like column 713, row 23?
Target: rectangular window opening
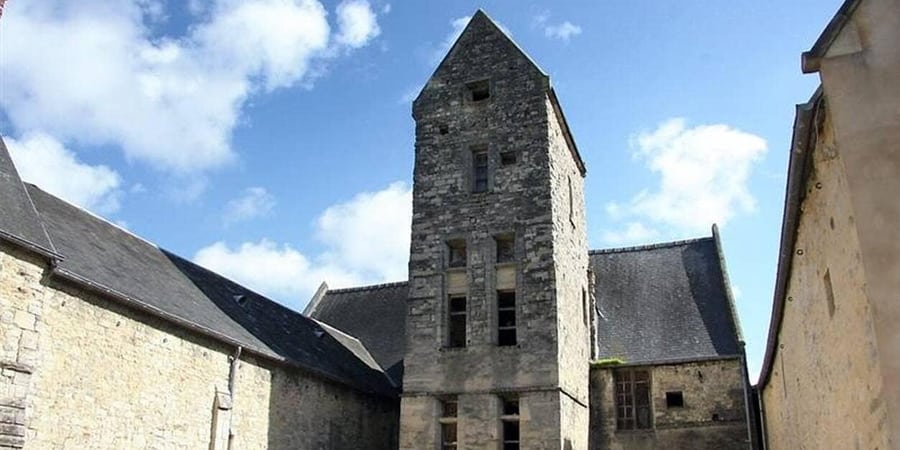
column 480, row 170
column 457, row 321
column 632, row 400
column 674, row 399
column 506, row 248
column 457, row 253
column 510, row 421
column 507, row 158
column 506, row 318
column 479, row 90
column 448, row 420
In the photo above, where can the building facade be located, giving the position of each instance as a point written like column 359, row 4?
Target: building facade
column 832, row 368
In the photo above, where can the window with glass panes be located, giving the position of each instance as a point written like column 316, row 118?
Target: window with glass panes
column 449, row 407
column 633, row 410
column 509, row 420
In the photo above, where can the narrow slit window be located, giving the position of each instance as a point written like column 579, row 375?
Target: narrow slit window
column 457, row 253
column 448, row 421
column 457, row 321
column 480, row 171
column 506, row 318
column 510, row 423
column 479, row 91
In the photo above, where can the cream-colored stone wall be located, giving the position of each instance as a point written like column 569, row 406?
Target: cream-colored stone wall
column 859, row 75
column 104, row 376
column 825, row 389
column 713, row 415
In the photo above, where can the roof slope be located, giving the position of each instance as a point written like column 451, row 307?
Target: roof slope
column 664, row 302
column 19, row 221
column 121, row 264
column 376, row 315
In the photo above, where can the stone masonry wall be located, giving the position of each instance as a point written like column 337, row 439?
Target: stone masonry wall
column 99, row 375
column 825, row 389
column 713, row 415
column 570, row 257
column 519, row 200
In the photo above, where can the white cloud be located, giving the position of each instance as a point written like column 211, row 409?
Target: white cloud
column 42, row 160
column 634, row 233
column 563, row 31
column 386, row 9
column 254, row 202
column 458, row 25
column 366, row 240
column 703, row 172
column 357, row 23
column 172, row 101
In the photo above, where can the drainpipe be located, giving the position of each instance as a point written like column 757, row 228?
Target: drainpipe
column 746, row 384
column 232, row 373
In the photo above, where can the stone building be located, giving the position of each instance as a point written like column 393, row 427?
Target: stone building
column 831, row 374
column 508, row 334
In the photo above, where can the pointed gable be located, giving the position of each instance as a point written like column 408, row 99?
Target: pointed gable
column 19, row 221
column 481, row 51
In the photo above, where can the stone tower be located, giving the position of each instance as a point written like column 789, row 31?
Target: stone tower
column 498, row 323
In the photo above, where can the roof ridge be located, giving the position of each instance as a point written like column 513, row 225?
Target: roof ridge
column 370, row 287
column 654, row 246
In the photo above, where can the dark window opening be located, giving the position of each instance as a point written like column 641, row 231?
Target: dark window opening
column 506, row 318
column 633, row 410
column 449, row 409
column 480, row 170
column 674, row 399
column 444, row 129
column 829, row 292
column 506, row 248
column 479, row 90
column 457, row 257
column 457, row 322
column 507, row 158
column 510, row 420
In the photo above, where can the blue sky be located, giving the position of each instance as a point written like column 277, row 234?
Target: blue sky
column 272, row 141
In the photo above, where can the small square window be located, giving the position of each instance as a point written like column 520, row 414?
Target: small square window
column 508, row 158
column 674, row 399
column 479, row 90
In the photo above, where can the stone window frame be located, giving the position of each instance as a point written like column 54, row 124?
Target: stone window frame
column 450, row 342
column 494, row 287
column 476, row 150
column 454, row 244
column 506, row 329
column 626, row 389
column 509, row 421
column 448, row 422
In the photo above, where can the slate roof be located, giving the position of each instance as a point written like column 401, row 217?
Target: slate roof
column 19, row 220
column 664, row 302
column 376, row 315
column 107, row 259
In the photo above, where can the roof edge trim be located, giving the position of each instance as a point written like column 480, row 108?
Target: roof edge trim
column 370, row 287
column 811, row 60
column 672, row 361
column 570, row 140
column 639, row 248
column 31, row 246
column 729, row 295
column 805, row 116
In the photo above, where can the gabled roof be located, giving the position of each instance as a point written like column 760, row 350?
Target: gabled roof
column 481, row 22
column 664, row 302
column 110, row 261
column 810, row 59
column 376, row 315
column 18, row 219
